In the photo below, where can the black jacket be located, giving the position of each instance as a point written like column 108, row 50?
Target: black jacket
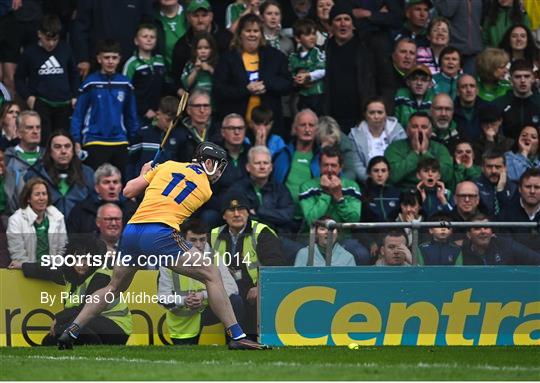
column 500, row 252
column 231, row 80
column 82, row 218
column 373, row 74
column 489, row 196
column 105, row 19
column 514, row 212
column 518, row 112
column 277, row 207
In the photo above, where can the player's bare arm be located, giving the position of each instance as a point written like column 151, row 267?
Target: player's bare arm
column 137, row 185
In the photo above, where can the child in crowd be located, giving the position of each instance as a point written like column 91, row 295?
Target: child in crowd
column 446, row 79
column 435, row 195
column 440, row 250
column 417, row 96
column 307, row 66
column 199, row 70
column 238, row 9
column 260, row 123
column 146, row 142
column 47, row 78
column 146, row 72
column 105, row 117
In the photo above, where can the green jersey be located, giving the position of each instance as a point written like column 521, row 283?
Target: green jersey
column 174, row 27
column 310, row 61
column 233, row 13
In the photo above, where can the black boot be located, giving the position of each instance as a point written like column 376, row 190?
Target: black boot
column 246, row 344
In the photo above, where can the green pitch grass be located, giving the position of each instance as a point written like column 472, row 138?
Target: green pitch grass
column 291, row 363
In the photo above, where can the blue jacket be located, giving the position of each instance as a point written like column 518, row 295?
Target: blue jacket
column 282, row 163
column 76, row 192
column 517, row 163
column 500, row 252
column 489, row 195
column 432, row 205
column 106, row 111
column 381, row 203
column 435, row 253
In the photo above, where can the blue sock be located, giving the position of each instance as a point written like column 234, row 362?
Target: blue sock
column 73, row 330
column 235, row 332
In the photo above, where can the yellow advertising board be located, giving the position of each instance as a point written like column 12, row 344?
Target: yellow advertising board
column 28, row 306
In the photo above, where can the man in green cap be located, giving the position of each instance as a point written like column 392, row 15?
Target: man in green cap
column 200, row 18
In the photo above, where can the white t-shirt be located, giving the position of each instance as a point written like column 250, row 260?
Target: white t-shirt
column 376, row 145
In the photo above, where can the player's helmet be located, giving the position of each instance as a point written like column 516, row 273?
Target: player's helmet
column 210, row 151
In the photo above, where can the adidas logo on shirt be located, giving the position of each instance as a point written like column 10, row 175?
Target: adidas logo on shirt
column 51, row 66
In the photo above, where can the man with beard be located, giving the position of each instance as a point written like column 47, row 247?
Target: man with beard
column 444, row 128
column 483, row 247
column 496, row 190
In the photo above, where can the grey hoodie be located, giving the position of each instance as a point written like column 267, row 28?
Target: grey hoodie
column 358, row 135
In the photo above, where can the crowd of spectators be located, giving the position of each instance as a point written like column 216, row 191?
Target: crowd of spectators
column 355, row 111
column 344, row 110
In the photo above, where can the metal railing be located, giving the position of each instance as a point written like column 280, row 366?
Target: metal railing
column 415, row 226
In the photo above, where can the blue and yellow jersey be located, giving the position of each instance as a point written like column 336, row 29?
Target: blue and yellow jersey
column 175, row 191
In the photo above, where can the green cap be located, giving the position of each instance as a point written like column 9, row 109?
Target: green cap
column 198, row 4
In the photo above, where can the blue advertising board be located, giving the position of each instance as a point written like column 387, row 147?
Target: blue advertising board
column 400, row 305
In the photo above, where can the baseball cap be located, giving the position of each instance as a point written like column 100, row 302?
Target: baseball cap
column 421, row 68
column 195, row 5
column 235, row 200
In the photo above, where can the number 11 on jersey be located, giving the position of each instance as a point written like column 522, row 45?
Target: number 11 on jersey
column 187, row 190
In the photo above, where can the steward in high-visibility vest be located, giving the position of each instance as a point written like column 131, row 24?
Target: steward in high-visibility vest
column 243, row 245
column 116, row 311
column 81, row 281
column 186, row 299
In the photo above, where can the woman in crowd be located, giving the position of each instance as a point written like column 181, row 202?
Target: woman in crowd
column 518, row 42
column 491, row 66
column 271, row 16
column 501, row 16
column 8, row 124
column 380, row 201
column 464, row 166
column 329, row 134
column 438, row 36
column 322, row 9
column 69, row 181
column 251, row 74
column 37, row 228
column 373, row 135
column 524, row 154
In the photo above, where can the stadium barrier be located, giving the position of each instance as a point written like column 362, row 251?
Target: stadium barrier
column 27, row 308
column 414, row 226
column 437, row 305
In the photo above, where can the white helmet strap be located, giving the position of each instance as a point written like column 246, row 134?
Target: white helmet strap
column 210, row 172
